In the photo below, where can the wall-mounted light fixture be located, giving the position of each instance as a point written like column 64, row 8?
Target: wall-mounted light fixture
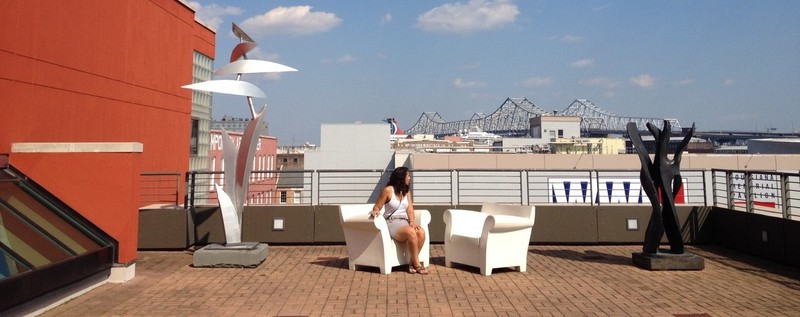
column 632, row 224
column 277, row 224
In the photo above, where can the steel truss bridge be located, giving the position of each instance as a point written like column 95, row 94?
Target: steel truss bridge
column 512, row 118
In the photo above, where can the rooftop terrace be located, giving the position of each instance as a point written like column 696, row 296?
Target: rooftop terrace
column 560, row 281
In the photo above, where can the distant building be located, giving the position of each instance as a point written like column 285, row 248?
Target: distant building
column 696, row 145
column 774, row 146
column 232, row 124
column 553, row 127
column 291, row 176
column 263, row 180
column 588, row 146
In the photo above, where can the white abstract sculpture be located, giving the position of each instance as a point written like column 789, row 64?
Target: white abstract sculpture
column 239, row 164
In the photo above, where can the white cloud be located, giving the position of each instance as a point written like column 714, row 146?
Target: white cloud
column 603, row 82
column 643, row 81
column 537, row 82
column 344, row 59
column 257, row 53
column 386, row 18
column 586, row 62
column 297, row 20
column 729, row 82
column 212, row 15
column 467, row 84
column 475, row 65
column 464, row 18
column 571, row 38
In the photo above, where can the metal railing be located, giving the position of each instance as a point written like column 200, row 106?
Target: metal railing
column 159, row 188
column 265, row 188
column 774, row 194
column 446, row 187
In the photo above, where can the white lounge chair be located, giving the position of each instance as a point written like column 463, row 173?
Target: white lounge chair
column 498, row 236
column 368, row 241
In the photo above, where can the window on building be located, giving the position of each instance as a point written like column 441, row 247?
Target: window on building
column 283, row 197
column 294, row 160
column 193, row 138
column 560, row 133
column 285, row 160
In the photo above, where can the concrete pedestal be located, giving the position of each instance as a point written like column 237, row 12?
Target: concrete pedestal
column 245, row 254
column 668, row 261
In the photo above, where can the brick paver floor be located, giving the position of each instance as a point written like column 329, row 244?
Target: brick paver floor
column 560, row 281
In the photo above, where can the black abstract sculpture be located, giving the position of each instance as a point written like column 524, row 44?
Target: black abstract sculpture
column 661, row 181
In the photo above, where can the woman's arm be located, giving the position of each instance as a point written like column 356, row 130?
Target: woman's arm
column 410, row 210
column 382, row 199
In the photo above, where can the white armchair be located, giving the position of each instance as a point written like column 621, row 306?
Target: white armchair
column 496, row 237
column 368, row 241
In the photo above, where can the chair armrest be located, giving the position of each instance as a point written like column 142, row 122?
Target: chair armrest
column 504, row 223
column 422, row 217
column 463, row 222
column 366, row 223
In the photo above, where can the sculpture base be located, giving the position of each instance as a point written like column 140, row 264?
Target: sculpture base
column 245, row 254
column 668, row 261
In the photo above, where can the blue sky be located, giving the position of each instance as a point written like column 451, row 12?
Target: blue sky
column 732, row 65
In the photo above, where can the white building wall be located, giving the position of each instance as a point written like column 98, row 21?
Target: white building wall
column 351, row 146
column 570, row 129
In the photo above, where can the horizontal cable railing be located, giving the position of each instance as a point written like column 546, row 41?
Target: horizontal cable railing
column 159, row 188
column 265, row 187
column 446, row 187
column 774, row 194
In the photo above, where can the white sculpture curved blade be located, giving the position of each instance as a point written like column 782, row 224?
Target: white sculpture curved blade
column 230, row 220
column 247, row 151
column 230, row 87
column 229, row 167
column 247, row 66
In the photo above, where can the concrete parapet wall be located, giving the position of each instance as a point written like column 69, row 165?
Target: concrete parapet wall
column 555, row 224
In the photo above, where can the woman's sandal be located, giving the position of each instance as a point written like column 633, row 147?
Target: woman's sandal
column 420, row 270
column 411, row 269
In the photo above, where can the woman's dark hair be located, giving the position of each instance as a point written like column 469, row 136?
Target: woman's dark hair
column 398, row 181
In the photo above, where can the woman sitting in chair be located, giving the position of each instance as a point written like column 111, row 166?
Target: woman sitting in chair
column 399, row 214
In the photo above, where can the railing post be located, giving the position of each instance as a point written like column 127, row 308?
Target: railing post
column 729, row 189
column 177, row 188
column 523, row 182
column 194, row 188
column 594, row 187
column 454, row 199
column 747, row 192
column 186, row 190
column 314, row 188
column 706, row 182
column 785, row 196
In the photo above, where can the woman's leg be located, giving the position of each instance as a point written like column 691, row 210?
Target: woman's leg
column 409, row 236
column 421, row 240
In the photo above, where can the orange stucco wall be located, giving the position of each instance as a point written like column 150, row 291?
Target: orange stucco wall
column 99, row 71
